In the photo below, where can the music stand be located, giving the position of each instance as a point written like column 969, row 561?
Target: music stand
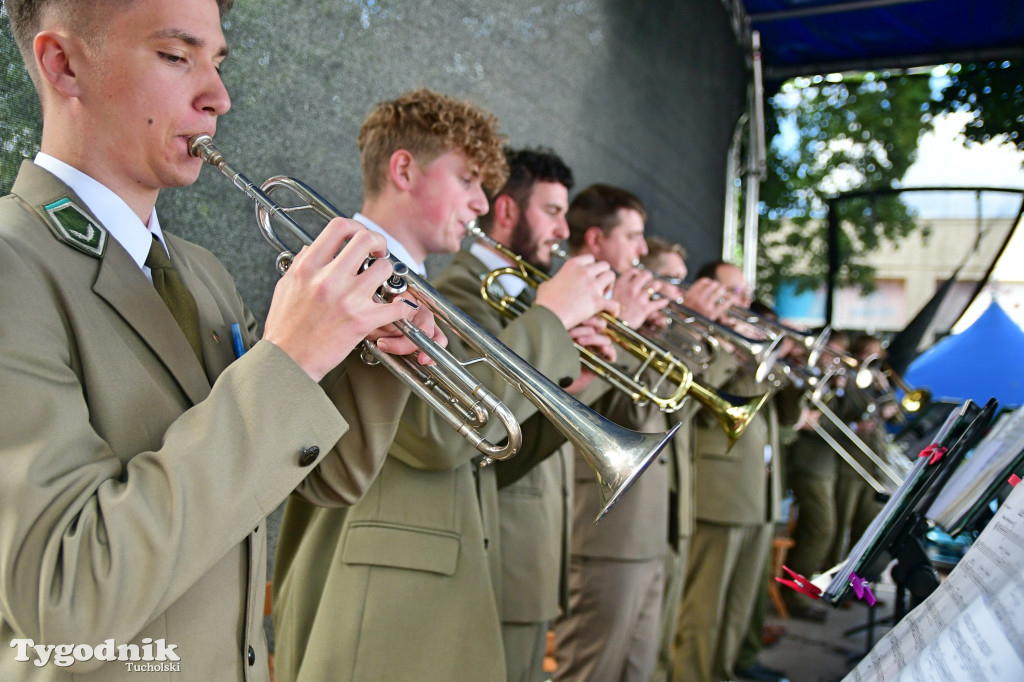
column 964, row 502
column 897, row 532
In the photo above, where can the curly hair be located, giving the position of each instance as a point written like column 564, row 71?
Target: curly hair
column 657, row 247
column 527, row 167
column 80, row 16
column 427, row 124
column 598, row 206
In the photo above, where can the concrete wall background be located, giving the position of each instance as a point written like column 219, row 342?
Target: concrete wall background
column 640, row 94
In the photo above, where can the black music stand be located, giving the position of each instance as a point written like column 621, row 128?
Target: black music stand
column 898, row 532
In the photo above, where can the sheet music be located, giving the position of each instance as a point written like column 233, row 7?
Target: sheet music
column 990, row 459
column 970, row 629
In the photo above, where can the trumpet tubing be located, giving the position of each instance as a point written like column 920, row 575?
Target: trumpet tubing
column 618, row 455
column 733, row 413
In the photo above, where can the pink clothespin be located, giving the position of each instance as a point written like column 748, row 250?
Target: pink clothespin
column 862, row 588
column 1014, row 480
column 933, row 452
column 800, row 584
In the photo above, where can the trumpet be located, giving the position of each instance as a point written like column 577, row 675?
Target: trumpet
column 734, row 413
column 914, row 399
column 618, row 455
column 843, row 364
column 813, row 343
column 700, row 337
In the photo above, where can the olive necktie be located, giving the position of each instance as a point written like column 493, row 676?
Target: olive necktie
column 179, row 301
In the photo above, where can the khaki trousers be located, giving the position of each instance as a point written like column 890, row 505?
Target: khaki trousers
column 525, row 644
column 611, row 632
column 856, row 508
column 722, row 581
column 675, row 581
column 814, row 533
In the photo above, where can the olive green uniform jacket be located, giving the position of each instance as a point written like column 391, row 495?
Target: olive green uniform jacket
column 134, row 486
column 401, row 586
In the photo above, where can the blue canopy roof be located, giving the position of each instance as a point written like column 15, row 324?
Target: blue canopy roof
column 807, row 37
column 984, row 361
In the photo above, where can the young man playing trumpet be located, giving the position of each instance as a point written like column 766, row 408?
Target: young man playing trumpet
column 139, row 455
column 400, row 587
column 737, row 502
column 527, row 220
column 617, row 572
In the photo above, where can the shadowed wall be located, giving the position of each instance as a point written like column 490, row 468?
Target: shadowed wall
column 640, row 94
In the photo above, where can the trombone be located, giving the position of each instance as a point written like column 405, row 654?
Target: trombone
column 815, row 384
column 618, row 455
column 734, row 413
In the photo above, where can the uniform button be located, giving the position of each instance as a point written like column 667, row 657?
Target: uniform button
column 252, row 657
column 663, row 459
column 309, row 456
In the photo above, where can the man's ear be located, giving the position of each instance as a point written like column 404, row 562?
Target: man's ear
column 593, row 238
column 402, row 169
column 57, row 58
column 506, row 212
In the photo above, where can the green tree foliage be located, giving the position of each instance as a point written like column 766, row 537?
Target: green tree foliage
column 994, row 93
column 20, row 120
column 834, row 135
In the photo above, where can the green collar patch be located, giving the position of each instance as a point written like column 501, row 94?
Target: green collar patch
column 75, row 228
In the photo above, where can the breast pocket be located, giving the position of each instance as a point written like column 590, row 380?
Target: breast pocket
column 401, row 546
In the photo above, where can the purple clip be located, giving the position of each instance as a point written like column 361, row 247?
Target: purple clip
column 862, row 589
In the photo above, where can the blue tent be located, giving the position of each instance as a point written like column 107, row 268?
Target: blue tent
column 984, row 361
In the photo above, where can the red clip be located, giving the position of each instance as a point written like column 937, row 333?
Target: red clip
column 933, row 452
column 1014, row 480
column 800, row 584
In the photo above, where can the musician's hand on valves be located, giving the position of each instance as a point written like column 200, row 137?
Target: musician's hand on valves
column 324, row 306
column 591, row 335
column 390, row 340
column 709, row 298
column 633, row 292
column 889, row 410
column 577, row 291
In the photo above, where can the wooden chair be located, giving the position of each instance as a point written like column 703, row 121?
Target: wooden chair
column 781, row 545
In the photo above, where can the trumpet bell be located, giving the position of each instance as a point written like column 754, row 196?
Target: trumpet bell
column 619, row 462
column 913, row 401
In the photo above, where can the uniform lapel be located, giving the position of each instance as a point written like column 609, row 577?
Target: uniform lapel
column 121, row 284
column 214, row 330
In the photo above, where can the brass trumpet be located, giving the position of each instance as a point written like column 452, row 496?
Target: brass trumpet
column 914, row 399
column 734, row 413
column 618, row 455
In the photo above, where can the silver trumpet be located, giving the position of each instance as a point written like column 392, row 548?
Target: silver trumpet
column 618, row 455
column 814, row 343
column 700, row 338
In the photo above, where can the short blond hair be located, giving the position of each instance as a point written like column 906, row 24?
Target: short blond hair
column 658, row 247
column 427, row 124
